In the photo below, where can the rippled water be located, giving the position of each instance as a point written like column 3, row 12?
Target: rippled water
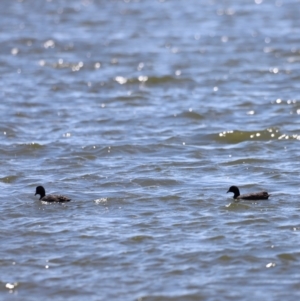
column 144, row 113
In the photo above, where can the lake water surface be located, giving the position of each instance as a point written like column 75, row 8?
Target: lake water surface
column 144, row 112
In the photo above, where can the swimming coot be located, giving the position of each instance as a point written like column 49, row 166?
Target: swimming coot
column 263, row 195
column 51, row 198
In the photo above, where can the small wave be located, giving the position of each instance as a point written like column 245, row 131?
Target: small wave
column 100, row 201
column 140, row 238
column 151, row 80
column 191, row 115
column 8, row 179
column 146, row 182
column 260, row 135
column 236, row 206
column 286, row 256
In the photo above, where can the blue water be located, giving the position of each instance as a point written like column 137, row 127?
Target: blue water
column 145, row 113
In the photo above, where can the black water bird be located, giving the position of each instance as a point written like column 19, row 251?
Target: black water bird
column 263, row 195
column 51, row 198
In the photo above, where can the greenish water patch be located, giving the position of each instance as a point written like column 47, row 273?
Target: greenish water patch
column 286, row 256
column 233, row 137
column 140, row 238
column 8, row 179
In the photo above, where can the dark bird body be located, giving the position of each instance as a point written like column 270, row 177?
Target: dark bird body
column 263, row 195
column 51, row 198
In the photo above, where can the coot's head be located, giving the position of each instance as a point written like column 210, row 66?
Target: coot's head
column 41, row 191
column 234, row 189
